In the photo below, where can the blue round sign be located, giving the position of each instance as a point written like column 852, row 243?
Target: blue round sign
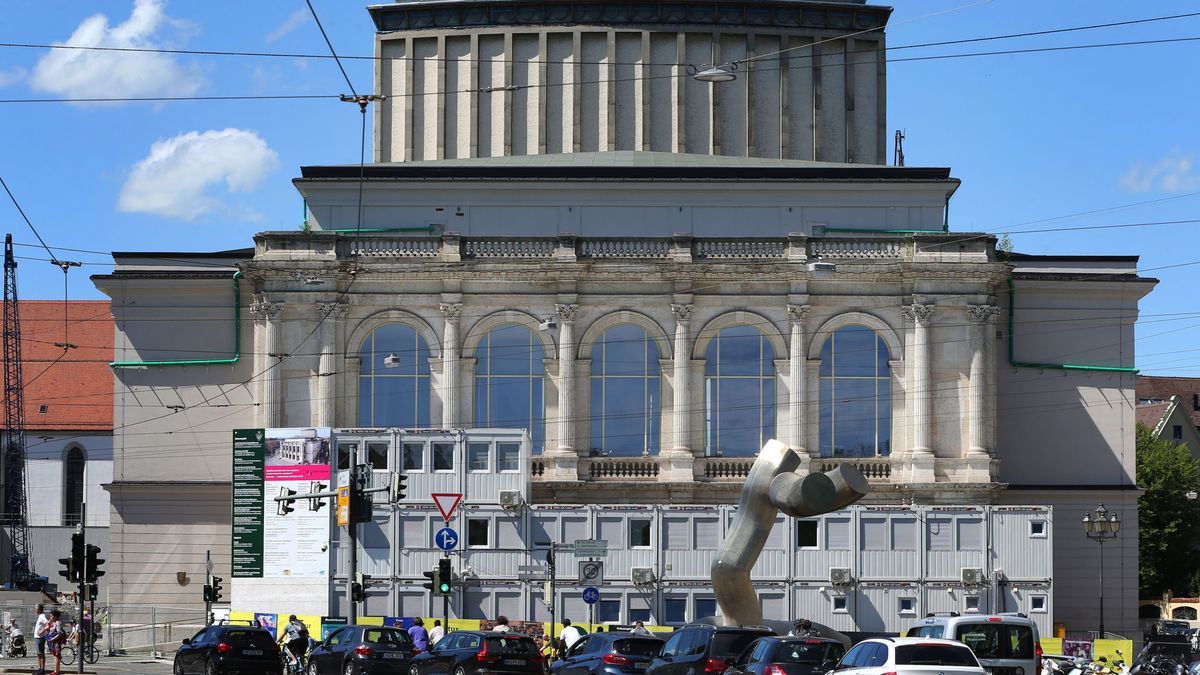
column 591, row 595
column 446, row 539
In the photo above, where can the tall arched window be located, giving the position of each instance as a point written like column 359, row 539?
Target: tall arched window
column 508, row 382
column 856, row 394
column 625, row 393
column 393, row 385
column 739, row 393
column 74, row 470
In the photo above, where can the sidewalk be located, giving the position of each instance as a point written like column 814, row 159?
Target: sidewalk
column 141, row 664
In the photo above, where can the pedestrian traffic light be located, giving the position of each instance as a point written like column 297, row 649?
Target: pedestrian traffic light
column 315, row 487
column 356, row 592
column 399, row 481
column 208, row 593
column 94, row 561
column 92, row 591
column 434, row 583
column 216, row 589
column 445, row 576
column 284, row 508
column 68, row 571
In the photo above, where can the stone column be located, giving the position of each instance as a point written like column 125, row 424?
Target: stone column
column 266, row 315
column 450, row 387
column 798, row 379
column 978, row 456
column 330, row 314
column 676, row 464
column 921, row 392
column 562, row 463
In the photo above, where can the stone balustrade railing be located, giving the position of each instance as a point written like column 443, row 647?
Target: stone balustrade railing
column 720, row 468
column 854, row 248
column 875, row 469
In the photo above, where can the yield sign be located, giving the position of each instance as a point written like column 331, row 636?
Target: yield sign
column 446, row 502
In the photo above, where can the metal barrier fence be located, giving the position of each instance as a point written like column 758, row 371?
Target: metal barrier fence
column 154, row 630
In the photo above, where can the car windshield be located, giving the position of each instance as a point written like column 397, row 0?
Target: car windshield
column 512, row 646
column 926, row 631
column 637, row 647
column 727, row 645
column 254, row 638
column 934, row 655
column 386, row 636
column 997, row 640
column 814, row 651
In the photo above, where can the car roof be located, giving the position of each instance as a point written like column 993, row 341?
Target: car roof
column 976, row 618
column 801, row 638
column 901, row 641
column 730, row 629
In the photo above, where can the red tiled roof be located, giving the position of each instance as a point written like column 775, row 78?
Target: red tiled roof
column 1151, row 414
column 76, row 386
column 1163, row 388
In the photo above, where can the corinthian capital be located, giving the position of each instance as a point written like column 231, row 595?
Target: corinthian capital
column 566, row 312
column 798, row 313
column 682, row 312
column 982, row 313
column 332, row 310
column 264, row 310
column 451, row 310
column 917, row 313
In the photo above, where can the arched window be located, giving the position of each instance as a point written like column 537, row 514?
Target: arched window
column 1149, row 612
column 625, row 393
column 508, row 382
column 74, row 470
column 393, row 385
column 856, row 394
column 1184, row 613
column 739, row 393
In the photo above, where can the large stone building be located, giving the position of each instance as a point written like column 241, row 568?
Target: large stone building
column 652, row 275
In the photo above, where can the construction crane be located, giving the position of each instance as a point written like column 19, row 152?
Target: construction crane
column 21, row 574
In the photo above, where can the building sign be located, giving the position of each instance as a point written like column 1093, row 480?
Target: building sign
column 249, row 452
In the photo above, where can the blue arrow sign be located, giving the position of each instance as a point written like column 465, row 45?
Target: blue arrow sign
column 446, row 539
column 591, row 595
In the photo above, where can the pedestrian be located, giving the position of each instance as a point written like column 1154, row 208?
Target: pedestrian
column 420, row 636
column 502, row 625
column 56, row 637
column 801, row 628
column 569, row 635
column 39, row 636
column 640, row 629
column 437, row 633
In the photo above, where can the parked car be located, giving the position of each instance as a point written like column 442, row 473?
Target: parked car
column 245, row 650
column 909, row 656
column 619, row 653
column 1006, row 644
column 788, row 656
column 467, row 652
column 701, row 648
column 362, row 650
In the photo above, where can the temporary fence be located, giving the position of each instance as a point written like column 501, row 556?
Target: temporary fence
column 154, row 630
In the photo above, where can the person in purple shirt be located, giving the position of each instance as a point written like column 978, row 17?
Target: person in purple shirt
column 419, row 635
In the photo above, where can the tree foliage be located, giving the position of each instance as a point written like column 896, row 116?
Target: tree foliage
column 1169, row 522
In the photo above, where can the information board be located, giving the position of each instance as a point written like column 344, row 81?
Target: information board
column 249, row 454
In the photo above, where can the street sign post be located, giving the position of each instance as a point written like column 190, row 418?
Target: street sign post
column 591, row 572
column 446, row 539
column 446, row 502
column 591, row 548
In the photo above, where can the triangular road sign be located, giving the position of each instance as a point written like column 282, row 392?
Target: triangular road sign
column 446, row 502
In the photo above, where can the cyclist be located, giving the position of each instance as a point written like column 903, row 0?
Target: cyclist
column 295, row 637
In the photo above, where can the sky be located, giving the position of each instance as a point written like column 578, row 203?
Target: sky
column 1085, row 138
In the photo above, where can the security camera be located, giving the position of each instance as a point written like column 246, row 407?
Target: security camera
column 548, row 324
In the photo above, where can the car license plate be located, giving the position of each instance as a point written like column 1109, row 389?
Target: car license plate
column 514, row 662
column 252, row 652
column 640, row 666
column 393, row 655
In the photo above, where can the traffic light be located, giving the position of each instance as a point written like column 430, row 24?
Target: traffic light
column 94, row 561
column 360, row 502
column 445, row 576
column 434, row 582
column 216, row 589
column 399, row 481
column 285, row 508
column 356, row 592
column 316, row 504
column 208, row 594
column 92, row 591
column 73, row 566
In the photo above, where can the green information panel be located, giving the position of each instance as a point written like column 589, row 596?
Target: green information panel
column 249, row 456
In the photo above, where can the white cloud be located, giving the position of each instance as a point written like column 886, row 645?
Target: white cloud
column 11, row 75
column 1177, row 172
column 297, row 19
column 174, row 179
column 74, row 73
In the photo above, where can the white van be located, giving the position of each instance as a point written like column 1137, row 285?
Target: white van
column 1005, row 644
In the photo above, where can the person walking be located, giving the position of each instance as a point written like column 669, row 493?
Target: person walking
column 39, row 636
column 420, row 636
column 437, row 633
column 501, row 625
column 56, row 637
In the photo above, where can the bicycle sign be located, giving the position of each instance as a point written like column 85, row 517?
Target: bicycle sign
column 591, row 595
column 446, row 539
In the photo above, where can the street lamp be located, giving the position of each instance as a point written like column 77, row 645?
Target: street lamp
column 1098, row 527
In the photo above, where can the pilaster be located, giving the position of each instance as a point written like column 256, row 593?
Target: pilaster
column 921, row 390
column 676, row 464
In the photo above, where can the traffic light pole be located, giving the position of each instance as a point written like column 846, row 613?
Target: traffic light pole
column 446, row 608
column 352, row 537
column 208, row 617
column 83, row 575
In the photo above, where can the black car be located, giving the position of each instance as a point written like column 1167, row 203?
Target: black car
column 700, row 648
column 467, row 652
column 245, row 650
column 608, row 654
column 365, row 650
column 788, row 656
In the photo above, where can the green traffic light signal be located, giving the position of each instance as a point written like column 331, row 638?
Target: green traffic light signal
column 444, row 587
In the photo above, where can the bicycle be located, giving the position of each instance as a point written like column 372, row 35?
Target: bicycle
column 91, row 653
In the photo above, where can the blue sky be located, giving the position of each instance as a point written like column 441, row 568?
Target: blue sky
column 1032, row 136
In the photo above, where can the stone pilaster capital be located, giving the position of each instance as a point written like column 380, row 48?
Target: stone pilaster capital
column 798, row 313
column 265, row 310
column 682, row 312
column 451, row 310
column 982, row 313
column 566, row 312
column 332, row 310
column 917, row 313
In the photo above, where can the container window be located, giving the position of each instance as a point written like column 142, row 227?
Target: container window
column 478, row 531
column 971, row 603
column 443, row 456
column 639, row 533
column 839, row 604
column 806, row 534
column 908, row 606
column 414, row 456
column 508, row 456
column 1037, row 528
column 477, row 457
column 1037, row 603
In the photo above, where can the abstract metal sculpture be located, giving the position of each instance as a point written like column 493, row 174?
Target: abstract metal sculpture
column 771, row 487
